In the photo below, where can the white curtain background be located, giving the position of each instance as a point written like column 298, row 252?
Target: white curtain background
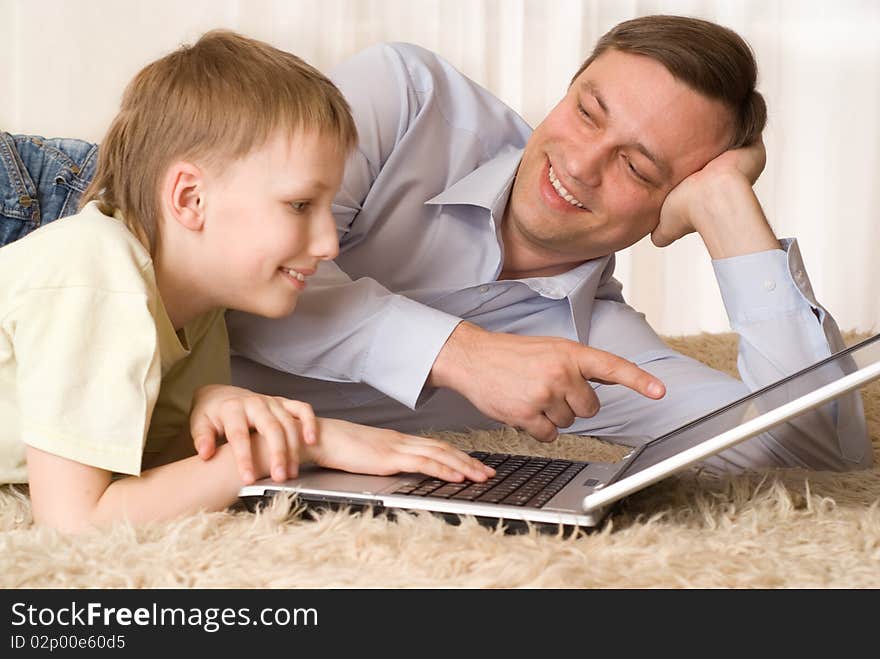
column 65, row 64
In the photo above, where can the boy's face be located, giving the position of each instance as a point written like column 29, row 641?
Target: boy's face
column 270, row 224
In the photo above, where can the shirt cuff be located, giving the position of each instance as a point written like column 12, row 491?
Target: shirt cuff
column 764, row 285
column 401, row 356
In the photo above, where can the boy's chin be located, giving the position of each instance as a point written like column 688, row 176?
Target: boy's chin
column 277, row 310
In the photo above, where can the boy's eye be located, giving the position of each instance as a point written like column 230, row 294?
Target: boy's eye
column 583, row 112
column 299, row 206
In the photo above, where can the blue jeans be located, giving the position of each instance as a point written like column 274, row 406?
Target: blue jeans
column 40, row 181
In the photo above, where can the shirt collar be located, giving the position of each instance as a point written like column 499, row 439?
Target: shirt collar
column 488, row 186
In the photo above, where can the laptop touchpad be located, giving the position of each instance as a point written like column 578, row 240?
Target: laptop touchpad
column 340, row 481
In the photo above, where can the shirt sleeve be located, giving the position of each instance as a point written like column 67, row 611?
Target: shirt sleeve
column 88, row 373
column 782, row 329
column 356, row 330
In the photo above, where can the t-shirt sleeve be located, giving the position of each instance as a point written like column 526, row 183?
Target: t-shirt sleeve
column 88, row 374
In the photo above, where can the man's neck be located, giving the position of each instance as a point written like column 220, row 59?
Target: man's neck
column 523, row 259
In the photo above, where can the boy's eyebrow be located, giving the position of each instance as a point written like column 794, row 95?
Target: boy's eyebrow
column 659, row 163
column 299, row 187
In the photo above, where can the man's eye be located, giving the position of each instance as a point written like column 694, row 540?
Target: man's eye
column 299, row 206
column 583, row 112
column 634, row 171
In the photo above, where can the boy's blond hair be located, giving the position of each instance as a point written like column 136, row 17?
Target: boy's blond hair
column 210, row 103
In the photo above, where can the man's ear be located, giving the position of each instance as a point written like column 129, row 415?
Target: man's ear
column 184, row 195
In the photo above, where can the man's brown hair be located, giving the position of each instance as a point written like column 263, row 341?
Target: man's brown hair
column 707, row 57
column 212, row 102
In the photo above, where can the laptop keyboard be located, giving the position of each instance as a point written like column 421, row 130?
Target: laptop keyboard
column 519, row 480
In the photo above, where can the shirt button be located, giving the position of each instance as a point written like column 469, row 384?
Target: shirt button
column 769, row 285
column 484, row 289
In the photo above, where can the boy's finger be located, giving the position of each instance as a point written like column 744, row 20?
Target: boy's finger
column 293, row 435
column 306, row 416
column 292, row 461
column 204, row 437
column 238, row 435
column 457, row 460
column 425, row 465
column 269, row 426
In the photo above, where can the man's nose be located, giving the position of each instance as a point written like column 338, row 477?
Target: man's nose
column 585, row 163
column 324, row 239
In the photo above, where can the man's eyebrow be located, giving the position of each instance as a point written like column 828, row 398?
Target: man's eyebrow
column 594, row 92
column 660, row 164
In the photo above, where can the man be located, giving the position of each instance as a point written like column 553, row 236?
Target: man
column 477, row 256
column 474, row 283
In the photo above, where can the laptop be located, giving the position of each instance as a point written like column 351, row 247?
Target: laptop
column 548, row 492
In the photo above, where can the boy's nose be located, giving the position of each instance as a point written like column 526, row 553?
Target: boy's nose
column 325, row 241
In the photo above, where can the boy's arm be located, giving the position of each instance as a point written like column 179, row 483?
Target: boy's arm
column 72, row 496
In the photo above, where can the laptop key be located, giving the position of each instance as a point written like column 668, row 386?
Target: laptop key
column 519, row 481
column 449, row 489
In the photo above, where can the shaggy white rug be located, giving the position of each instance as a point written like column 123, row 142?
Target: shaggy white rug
column 786, row 529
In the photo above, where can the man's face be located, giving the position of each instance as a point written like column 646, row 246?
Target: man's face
column 596, row 171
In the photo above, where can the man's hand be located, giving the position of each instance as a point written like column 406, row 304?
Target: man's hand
column 718, row 202
column 538, row 384
column 233, row 412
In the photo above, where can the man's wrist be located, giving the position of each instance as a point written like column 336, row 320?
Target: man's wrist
column 730, row 220
column 449, row 359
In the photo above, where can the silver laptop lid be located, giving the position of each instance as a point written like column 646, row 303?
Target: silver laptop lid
column 824, row 381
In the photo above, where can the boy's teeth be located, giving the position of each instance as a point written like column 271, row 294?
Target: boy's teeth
column 561, row 191
column 294, row 273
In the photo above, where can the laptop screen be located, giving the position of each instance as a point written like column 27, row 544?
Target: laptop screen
column 766, row 399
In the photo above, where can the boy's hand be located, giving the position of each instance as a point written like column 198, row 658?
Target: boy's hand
column 366, row 450
column 222, row 410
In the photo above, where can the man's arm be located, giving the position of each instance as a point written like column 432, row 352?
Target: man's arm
column 358, row 331
column 771, row 306
column 719, row 203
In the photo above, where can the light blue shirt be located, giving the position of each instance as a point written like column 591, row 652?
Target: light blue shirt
column 418, row 216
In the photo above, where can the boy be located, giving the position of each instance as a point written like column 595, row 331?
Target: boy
column 213, row 190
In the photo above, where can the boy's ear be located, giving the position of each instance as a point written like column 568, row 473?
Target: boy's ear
column 184, row 195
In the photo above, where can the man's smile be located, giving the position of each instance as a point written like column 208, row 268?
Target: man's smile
column 562, row 191
column 555, row 195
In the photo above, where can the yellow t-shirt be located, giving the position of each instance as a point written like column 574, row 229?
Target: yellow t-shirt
column 91, row 368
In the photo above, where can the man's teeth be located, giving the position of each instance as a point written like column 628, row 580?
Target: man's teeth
column 294, row 273
column 562, row 192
